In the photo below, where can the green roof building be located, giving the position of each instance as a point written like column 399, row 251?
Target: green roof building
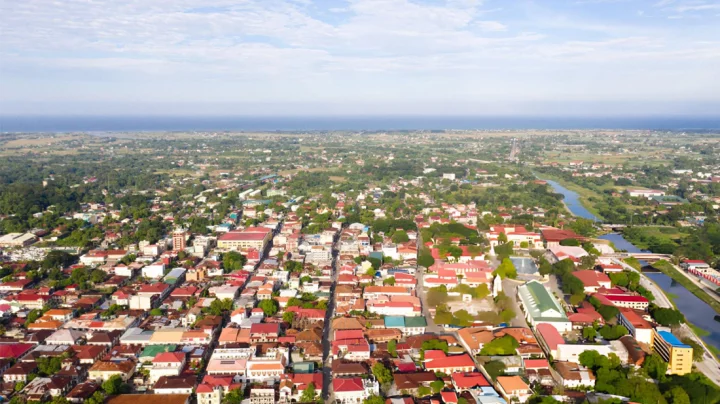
column 540, row 306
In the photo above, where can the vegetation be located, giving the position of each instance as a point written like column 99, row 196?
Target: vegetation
column 505, row 345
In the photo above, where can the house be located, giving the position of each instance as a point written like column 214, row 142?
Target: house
column 353, row 390
column 167, row 364
column 463, row 381
column 82, row 391
column 618, row 298
column 148, row 399
column 574, row 376
column 103, row 370
column 41, row 388
column 292, row 386
column 19, row 372
column 438, row 361
column 14, row 350
column 593, row 280
column 413, row 381
column 154, row 271
column 513, row 388
column 175, row 385
column 264, row 332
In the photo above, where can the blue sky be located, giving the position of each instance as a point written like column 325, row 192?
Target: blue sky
column 355, row 57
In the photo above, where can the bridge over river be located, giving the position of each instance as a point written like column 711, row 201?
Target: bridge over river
column 642, row 256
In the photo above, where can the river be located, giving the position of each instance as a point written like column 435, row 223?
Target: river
column 695, row 310
column 572, row 201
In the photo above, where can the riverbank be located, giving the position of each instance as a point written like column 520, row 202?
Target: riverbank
column 583, row 195
column 670, row 270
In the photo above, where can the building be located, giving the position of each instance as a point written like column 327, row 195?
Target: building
column 638, row 327
column 574, row 376
column 675, row 353
column 11, row 240
column 167, row 364
column 103, row 370
column 513, row 388
column 518, row 236
column 438, row 361
column 540, row 306
column 549, row 338
column 622, row 299
column 593, row 280
column 244, row 239
column 644, row 193
column 148, row 399
column 353, row 390
column 179, row 240
column 699, row 266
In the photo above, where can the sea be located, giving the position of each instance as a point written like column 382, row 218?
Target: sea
column 26, row 123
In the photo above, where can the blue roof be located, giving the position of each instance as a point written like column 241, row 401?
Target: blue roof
column 672, row 340
column 394, row 321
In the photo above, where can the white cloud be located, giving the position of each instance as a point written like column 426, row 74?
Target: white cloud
column 492, row 26
column 284, row 49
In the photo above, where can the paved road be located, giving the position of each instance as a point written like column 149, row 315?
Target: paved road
column 327, row 333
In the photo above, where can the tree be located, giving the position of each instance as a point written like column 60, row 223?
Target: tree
column 425, row 258
column 112, row 386
column 269, row 307
column 667, row 317
column 502, row 238
column 309, row 395
column 97, row 398
column 505, row 345
column 19, row 386
column 423, row 391
column 374, row 400
column 494, row 369
column 608, row 312
column 392, row 348
column 576, row 299
column 545, row 267
column 570, row 242
column 389, row 281
column 400, row 236
column 698, row 350
column 654, row 366
column 218, row 306
column 233, row 260
column 589, row 333
column 156, row 312
column 289, row 317
column 437, row 295
column 613, row 332
column 677, row 395
column 506, row 269
column 437, row 386
column 233, row 397
column 381, row 373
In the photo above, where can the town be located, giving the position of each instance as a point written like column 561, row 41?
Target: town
column 380, row 267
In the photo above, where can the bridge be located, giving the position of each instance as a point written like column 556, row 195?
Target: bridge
column 641, row 256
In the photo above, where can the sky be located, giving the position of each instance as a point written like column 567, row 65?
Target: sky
column 359, row 57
